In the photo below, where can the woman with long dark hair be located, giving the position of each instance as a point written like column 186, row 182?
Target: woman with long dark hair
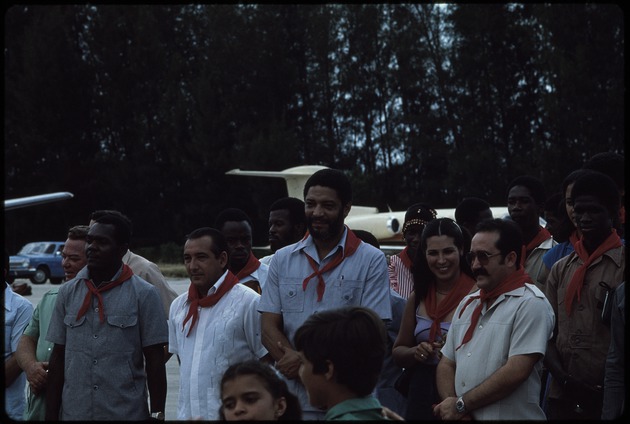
column 442, row 277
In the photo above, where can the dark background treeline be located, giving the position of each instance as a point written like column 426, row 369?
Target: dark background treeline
column 144, row 108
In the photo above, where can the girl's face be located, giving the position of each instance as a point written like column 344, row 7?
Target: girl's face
column 245, row 398
column 443, row 257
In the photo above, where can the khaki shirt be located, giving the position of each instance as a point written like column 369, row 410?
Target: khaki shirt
column 582, row 339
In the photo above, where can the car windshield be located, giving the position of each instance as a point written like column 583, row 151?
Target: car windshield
column 32, row 248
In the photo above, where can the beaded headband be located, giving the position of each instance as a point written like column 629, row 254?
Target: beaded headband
column 419, row 221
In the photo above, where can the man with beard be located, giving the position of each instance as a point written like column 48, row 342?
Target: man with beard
column 287, row 224
column 109, row 331
column 526, row 201
column 492, row 358
column 330, row 268
column 237, row 230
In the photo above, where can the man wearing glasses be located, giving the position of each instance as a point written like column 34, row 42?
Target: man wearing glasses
column 492, row 360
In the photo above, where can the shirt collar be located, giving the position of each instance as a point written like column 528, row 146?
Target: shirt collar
column 216, row 285
column 308, row 244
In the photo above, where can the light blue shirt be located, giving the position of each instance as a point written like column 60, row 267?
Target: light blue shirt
column 360, row 280
column 17, row 314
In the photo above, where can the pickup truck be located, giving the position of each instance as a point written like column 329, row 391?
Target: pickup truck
column 38, row 261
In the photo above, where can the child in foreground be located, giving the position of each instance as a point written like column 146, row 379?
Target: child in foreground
column 342, row 353
column 253, row 391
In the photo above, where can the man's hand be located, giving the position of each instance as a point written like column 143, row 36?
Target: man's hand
column 37, row 375
column 391, row 415
column 289, row 364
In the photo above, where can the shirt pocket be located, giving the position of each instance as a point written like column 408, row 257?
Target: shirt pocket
column 124, row 334
column 292, row 295
column 76, row 332
column 348, row 292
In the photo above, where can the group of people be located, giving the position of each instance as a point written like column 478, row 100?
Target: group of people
column 487, row 318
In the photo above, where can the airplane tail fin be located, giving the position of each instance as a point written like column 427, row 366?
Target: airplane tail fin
column 295, row 178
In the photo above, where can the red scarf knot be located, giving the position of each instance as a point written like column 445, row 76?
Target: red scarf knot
column 574, row 289
column 437, row 312
column 352, row 244
column 513, row 281
column 207, row 301
column 126, row 274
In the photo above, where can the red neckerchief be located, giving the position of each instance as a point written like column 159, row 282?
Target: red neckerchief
column 204, row 302
column 404, row 257
column 543, row 234
column 126, row 274
column 436, row 311
column 352, row 244
column 577, row 281
column 513, row 281
column 252, row 265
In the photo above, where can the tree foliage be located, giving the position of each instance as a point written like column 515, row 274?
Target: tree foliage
column 143, row 108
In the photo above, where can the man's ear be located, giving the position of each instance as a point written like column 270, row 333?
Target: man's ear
column 280, row 407
column 122, row 249
column 330, row 372
column 223, row 259
column 510, row 258
column 346, row 209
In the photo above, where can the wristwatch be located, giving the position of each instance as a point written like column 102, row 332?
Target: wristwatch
column 460, row 405
column 157, row 416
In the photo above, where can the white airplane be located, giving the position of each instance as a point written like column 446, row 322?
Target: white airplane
column 39, row 199
column 386, row 226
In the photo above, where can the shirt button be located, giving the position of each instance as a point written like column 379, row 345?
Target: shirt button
column 481, row 326
column 95, row 361
column 95, row 387
column 468, row 354
column 95, row 309
column 96, row 336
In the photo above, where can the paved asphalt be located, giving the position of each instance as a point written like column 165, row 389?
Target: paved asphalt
column 180, row 285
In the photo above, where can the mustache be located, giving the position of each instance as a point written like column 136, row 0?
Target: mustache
column 480, row 271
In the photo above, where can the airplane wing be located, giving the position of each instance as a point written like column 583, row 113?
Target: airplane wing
column 39, row 199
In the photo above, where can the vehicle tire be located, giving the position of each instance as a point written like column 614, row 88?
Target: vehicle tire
column 56, row 280
column 40, row 276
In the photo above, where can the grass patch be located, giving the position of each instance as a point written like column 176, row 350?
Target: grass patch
column 170, row 270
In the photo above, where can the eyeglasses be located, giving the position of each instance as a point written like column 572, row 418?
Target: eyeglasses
column 484, row 257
